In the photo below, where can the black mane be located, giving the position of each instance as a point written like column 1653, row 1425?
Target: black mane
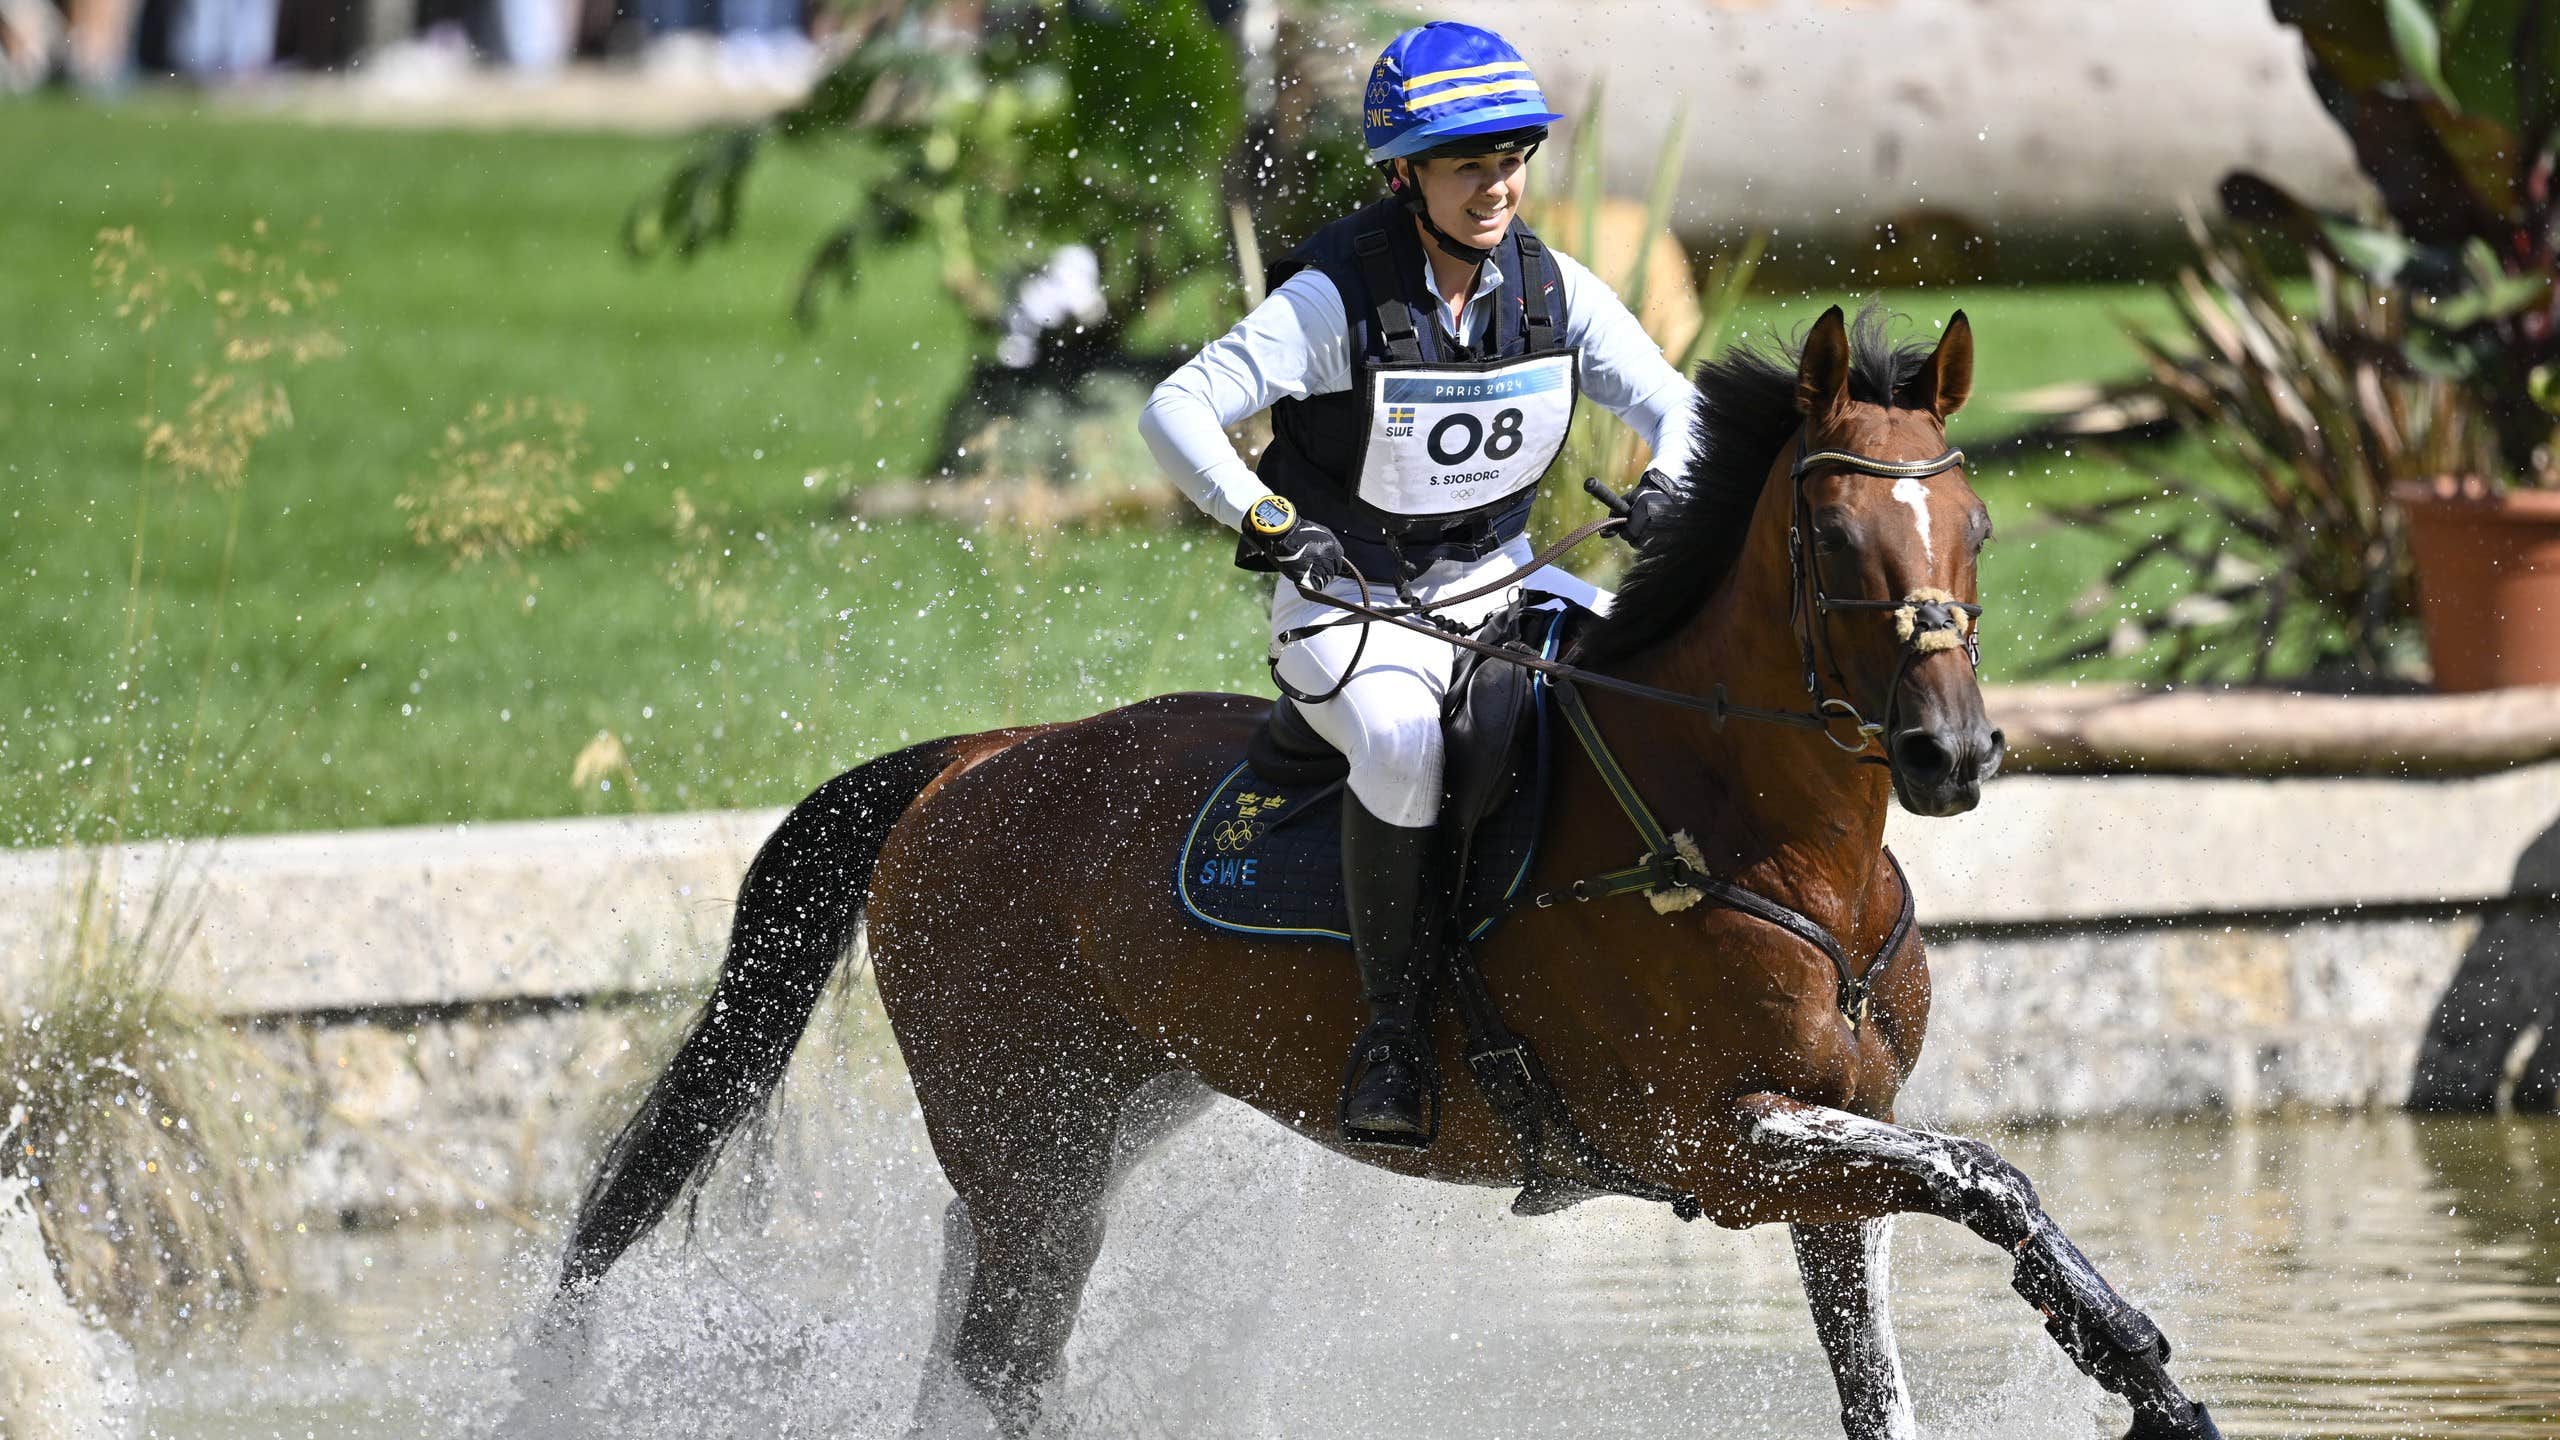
column 1746, row 410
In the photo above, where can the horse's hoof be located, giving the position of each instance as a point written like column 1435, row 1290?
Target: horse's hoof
column 2198, row 1426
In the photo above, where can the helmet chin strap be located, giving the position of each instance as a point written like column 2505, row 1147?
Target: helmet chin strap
column 1409, row 190
column 1453, row 246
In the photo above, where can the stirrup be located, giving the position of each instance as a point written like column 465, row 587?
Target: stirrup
column 1381, row 1044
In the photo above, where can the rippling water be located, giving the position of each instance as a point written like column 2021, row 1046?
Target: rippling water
column 2320, row 1276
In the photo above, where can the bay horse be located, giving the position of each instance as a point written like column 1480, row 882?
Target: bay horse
column 1058, row 1017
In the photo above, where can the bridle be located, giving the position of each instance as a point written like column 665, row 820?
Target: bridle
column 1926, row 621
column 1671, row 873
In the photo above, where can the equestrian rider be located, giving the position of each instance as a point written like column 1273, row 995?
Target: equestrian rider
column 1420, row 359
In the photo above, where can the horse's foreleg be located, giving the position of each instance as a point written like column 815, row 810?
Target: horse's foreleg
column 1808, row 1163
column 1845, row 1281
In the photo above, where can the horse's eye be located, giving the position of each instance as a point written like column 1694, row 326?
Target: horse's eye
column 1830, row 539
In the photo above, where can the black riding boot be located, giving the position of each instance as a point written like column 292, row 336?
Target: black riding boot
column 1388, row 1094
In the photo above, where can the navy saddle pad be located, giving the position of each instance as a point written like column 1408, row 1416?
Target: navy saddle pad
column 1264, row 859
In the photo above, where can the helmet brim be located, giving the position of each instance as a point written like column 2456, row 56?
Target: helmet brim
column 1480, row 133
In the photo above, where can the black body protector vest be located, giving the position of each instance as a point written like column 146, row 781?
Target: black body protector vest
column 1437, row 448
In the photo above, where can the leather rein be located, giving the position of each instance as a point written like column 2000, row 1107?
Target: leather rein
column 1925, row 621
column 1671, row 872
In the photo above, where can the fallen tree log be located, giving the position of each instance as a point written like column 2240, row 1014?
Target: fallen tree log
column 2126, row 729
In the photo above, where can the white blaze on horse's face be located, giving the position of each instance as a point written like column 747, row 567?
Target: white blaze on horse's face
column 1910, row 491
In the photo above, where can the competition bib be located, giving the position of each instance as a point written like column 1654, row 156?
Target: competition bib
column 1450, row 438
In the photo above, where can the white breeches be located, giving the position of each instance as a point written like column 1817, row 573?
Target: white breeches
column 1387, row 717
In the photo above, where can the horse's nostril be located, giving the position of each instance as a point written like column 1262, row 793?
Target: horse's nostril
column 1921, row 756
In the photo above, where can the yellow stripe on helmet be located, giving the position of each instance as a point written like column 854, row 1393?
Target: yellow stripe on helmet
column 1469, row 92
column 1499, row 67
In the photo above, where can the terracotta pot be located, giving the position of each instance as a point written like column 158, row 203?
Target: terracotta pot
column 2488, row 582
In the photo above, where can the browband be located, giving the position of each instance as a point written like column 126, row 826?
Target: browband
column 1891, row 469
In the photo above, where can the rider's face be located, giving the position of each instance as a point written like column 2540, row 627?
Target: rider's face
column 1473, row 197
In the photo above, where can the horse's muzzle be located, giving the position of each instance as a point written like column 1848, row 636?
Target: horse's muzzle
column 1939, row 770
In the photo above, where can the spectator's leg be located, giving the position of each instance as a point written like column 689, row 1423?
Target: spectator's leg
column 29, row 35
column 209, row 38
column 101, row 42
column 252, row 37
column 762, row 40
column 533, row 35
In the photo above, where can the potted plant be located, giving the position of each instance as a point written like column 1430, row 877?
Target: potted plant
column 2453, row 110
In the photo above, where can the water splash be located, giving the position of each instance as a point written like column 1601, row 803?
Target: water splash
column 1252, row 1287
column 59, row 1378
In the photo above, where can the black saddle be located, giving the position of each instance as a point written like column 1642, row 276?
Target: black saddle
column 1481, row 719
column 1489, row 740
column 1287, row 751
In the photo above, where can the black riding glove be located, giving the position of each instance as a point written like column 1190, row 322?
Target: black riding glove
column 1646, row 505
column 1305, row 552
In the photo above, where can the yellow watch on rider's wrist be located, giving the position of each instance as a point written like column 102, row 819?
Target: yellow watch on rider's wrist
column 1271, row 516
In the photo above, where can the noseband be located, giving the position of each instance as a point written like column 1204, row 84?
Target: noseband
column 1925, row 621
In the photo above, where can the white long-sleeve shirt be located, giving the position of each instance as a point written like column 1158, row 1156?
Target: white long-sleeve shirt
column 1297, row 343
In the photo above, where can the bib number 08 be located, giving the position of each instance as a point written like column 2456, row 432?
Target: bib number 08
column 1501, row 444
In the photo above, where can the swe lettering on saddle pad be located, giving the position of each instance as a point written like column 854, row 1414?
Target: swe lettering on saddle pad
column 1264, row 859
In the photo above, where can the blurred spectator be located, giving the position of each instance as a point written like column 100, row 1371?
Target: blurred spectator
column 760, row 41
column 533, row 35
column 753, row 44
column 222, row 39
column 94, row 50
column 29, row 35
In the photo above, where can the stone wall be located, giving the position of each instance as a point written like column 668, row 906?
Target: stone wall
column 458, row 1016
column 2056, row 1022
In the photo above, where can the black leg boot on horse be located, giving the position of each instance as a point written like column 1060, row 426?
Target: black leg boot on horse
column 1390, row 1094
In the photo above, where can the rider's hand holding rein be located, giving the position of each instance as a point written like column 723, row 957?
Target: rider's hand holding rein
column 1646, row 505
column 1305, row 553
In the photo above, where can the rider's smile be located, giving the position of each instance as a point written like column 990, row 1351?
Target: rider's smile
column 1473, row 197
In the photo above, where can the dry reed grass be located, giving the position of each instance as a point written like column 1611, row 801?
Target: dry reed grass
column 135, row 1117
column 1634, row 252
column 141, row 1121
column 506, row 481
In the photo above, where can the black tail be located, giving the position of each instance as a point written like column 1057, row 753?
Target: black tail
column 796, row 916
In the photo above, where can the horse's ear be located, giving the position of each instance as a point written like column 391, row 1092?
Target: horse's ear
column 1946, row 382
column 1822, row 372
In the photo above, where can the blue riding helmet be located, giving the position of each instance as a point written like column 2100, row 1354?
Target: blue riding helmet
column 1439, row 85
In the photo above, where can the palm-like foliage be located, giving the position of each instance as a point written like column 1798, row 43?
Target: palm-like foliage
column 2320, row 409
column 2453, row 108
column 2431, row 348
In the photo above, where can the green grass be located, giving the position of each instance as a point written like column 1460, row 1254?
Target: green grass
column 361, row 680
